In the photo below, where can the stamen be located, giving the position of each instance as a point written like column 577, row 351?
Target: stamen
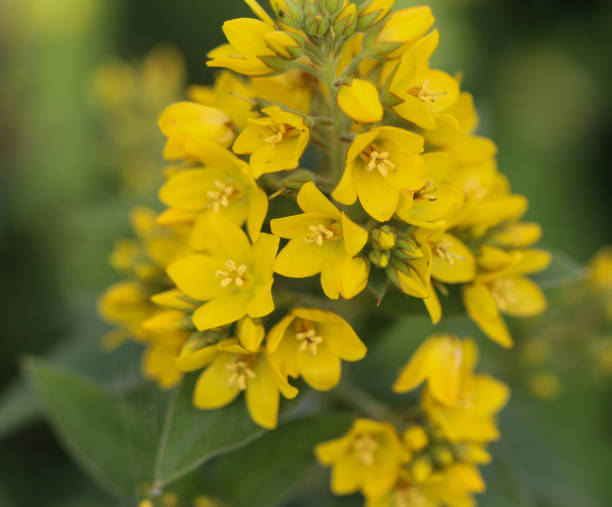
column 425, row 192
column 221, row 198
column 319, row 233
column 234, row 275
column 502, row 292
column 365, row 447
column 281, row 131
column 424, row 94
column 241, row 372
column 442, row 249
column 310, row 340
column 375, row 159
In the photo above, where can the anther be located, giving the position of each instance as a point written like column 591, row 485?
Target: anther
column 319, row 233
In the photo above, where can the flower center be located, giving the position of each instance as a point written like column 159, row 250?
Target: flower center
column 442, row 249
column 319, row 233
column 377, row 160
column 221, row 197
column 502, row 292
column 235, row 275
column 409, row 497
column 281, row 131
column 426, row 192
column 424, row 94
column 365, row 447
column 240, row 372
column 309, row 340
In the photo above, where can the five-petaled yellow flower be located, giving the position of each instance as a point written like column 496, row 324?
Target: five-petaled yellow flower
column 506, row 289
column 311, row 343
column 276, row 141
column 367, row 458
column 224, row 185
column 321, row 240
column 234, row 278
column 379, row 165
column 231, row 369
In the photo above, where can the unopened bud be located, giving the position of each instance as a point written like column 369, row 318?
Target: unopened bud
column 372, row 12
column 297, row 178
column 355, row 277
column 290, row 12
column 406, row 279
column 407, row 248
column 379, row 258
column 334, row 6
column 317, row 26
column 346, row 22
column 421, row 468
column 384, row 237
column 416, row 438
column 442, row 456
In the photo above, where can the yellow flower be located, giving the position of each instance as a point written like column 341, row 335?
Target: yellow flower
column 321, row 240
column 424, row 92
column 224, row 186
column 367, row 458
column 233, row 369
column 230, row 94
column 311, row 343
column 403, row 28
column 379, row 164
column 291, row 89
column 506, row 290
column 472, row 419
column 235, row 278
column 275, row 142
column 432, row 205
column 443, row 361
column 360, row 101
column 246, row 46
column 453, row 486
column 184, row 121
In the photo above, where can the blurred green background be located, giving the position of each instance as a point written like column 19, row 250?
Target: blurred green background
column 541, row 76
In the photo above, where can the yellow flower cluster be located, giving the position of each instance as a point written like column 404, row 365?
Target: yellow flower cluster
column 402, row 193
column 434, row 461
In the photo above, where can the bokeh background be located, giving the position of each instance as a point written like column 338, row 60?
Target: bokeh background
column 82, row 83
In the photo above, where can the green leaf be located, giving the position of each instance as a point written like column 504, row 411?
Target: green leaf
column 18, row 408
column 563, row 270
column 131, row 441
column 267, row 472
column 378, row 284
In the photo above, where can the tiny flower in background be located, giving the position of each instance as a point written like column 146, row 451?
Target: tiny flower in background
column 366, row 459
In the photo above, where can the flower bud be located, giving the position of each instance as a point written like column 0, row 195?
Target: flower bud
column 416, row 438
column 360, row 101
column 317, row 26
column 372, row 12
column 421, row 468
column 406, row 279
column 334, row 6
column 297, row 178
column 407, row 248
column 384, row 237
column 283, row 44
column 442, row 455
column 355, row 277
column 379, row 258
column 250, row 333
column 290, row 12
column 346, row 22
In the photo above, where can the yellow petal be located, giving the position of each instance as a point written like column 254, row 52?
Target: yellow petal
column 300, row 259
column 262, row 396
column 261, row 302
column 321, row 371
column 276, row 334
column 523, row 298
column 311, row 199
column 378, row 198
column 360, row 101
column 481, row 308
column 195, row 275
column 194, row 356
column 454, row 262
column 250, row 333
column 222, row 310
column 213, row 388
column 355, row 237
column 224, row 239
